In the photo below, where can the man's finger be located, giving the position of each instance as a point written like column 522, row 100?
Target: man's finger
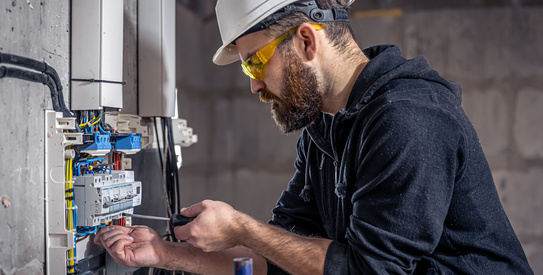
column 183, row 232
column 109, row 238
column 193, row 210
column 100, row 233
column 118, row 250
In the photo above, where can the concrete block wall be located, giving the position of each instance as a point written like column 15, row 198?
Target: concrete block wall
column 491, row 48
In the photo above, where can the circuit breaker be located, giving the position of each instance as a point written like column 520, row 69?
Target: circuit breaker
column 103, row 198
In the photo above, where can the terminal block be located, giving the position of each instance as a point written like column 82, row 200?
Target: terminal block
column 128, row 143
column 95, row 143
column 104, row 197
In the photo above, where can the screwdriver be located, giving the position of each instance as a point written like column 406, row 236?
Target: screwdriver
column 175, row 220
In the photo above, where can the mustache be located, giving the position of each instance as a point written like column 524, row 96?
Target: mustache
column 266, row 96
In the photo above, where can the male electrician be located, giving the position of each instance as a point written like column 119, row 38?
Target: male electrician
column 390, row 177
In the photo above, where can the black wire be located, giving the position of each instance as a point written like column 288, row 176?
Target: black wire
column 33, row 77
column 45, row 69
column 32, row 64
column 158, row 145
column 171, row 176
column 173, row 167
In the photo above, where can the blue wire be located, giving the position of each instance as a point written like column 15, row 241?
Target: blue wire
column 86, row 230
column 85, row 121
column 95, row 159
column 101, row 129
column 86, row 162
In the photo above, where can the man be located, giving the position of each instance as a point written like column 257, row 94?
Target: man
column 390, row 176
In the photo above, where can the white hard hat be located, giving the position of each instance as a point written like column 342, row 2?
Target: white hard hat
column 236, row 17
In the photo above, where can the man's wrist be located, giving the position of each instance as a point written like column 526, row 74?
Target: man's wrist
column 166, row 252
column 247, row 228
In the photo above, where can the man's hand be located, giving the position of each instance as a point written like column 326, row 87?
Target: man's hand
column 134, row 246
column 217, row 226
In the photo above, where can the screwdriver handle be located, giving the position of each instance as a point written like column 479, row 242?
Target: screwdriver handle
column 178, row 220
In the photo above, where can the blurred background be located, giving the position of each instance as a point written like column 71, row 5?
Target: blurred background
column 492, row 48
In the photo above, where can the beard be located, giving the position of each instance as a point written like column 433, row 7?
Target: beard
column 300, row 102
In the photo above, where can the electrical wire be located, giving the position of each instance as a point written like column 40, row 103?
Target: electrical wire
column 72, row 213
column 57, row 95
column 170, row 173
column 34, row 77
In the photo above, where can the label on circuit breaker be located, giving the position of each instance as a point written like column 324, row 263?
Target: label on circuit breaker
column 119, row 197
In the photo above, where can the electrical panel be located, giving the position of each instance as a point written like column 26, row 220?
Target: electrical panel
column 86, row 178
column 88, row 181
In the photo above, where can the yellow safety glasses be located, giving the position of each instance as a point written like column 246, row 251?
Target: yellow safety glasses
column 255, row 65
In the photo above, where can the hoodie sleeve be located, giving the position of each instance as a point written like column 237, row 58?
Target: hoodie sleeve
column 292, row 212
column 407, row 160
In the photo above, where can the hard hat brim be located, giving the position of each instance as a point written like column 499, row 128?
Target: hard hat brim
column 228, row 52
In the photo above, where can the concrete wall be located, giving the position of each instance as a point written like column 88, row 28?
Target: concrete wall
column 491, row 48
column 38, row 30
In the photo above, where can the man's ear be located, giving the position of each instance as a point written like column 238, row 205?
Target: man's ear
column 306, row 42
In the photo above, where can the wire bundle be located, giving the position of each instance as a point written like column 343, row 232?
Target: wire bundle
column 72, row 214
column 47, row 76
column 117, row 161
column 168, row 163
column 93, row 121
column 170, row 173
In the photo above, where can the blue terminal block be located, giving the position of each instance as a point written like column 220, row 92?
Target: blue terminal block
column 127, row 143
column 96, row 143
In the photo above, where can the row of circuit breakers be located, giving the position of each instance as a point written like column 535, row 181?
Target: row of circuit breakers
column 102, row 198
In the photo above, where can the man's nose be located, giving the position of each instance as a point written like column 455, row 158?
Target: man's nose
column 257, row 86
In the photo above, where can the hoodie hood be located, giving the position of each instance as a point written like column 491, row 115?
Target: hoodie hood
column 386, row 64
column 330, row 132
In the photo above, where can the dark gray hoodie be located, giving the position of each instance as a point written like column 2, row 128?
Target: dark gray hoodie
column 398, row 180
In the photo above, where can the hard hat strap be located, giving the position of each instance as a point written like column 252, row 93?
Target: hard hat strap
column 309, row 8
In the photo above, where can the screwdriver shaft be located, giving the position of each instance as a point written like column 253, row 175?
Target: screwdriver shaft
column 146, row 217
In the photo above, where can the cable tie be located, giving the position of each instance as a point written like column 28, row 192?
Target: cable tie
column 70, row 198
column 92, row 80
column 72, row 208
column 71, row 190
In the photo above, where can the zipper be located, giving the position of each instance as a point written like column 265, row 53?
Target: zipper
column 322, row 162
